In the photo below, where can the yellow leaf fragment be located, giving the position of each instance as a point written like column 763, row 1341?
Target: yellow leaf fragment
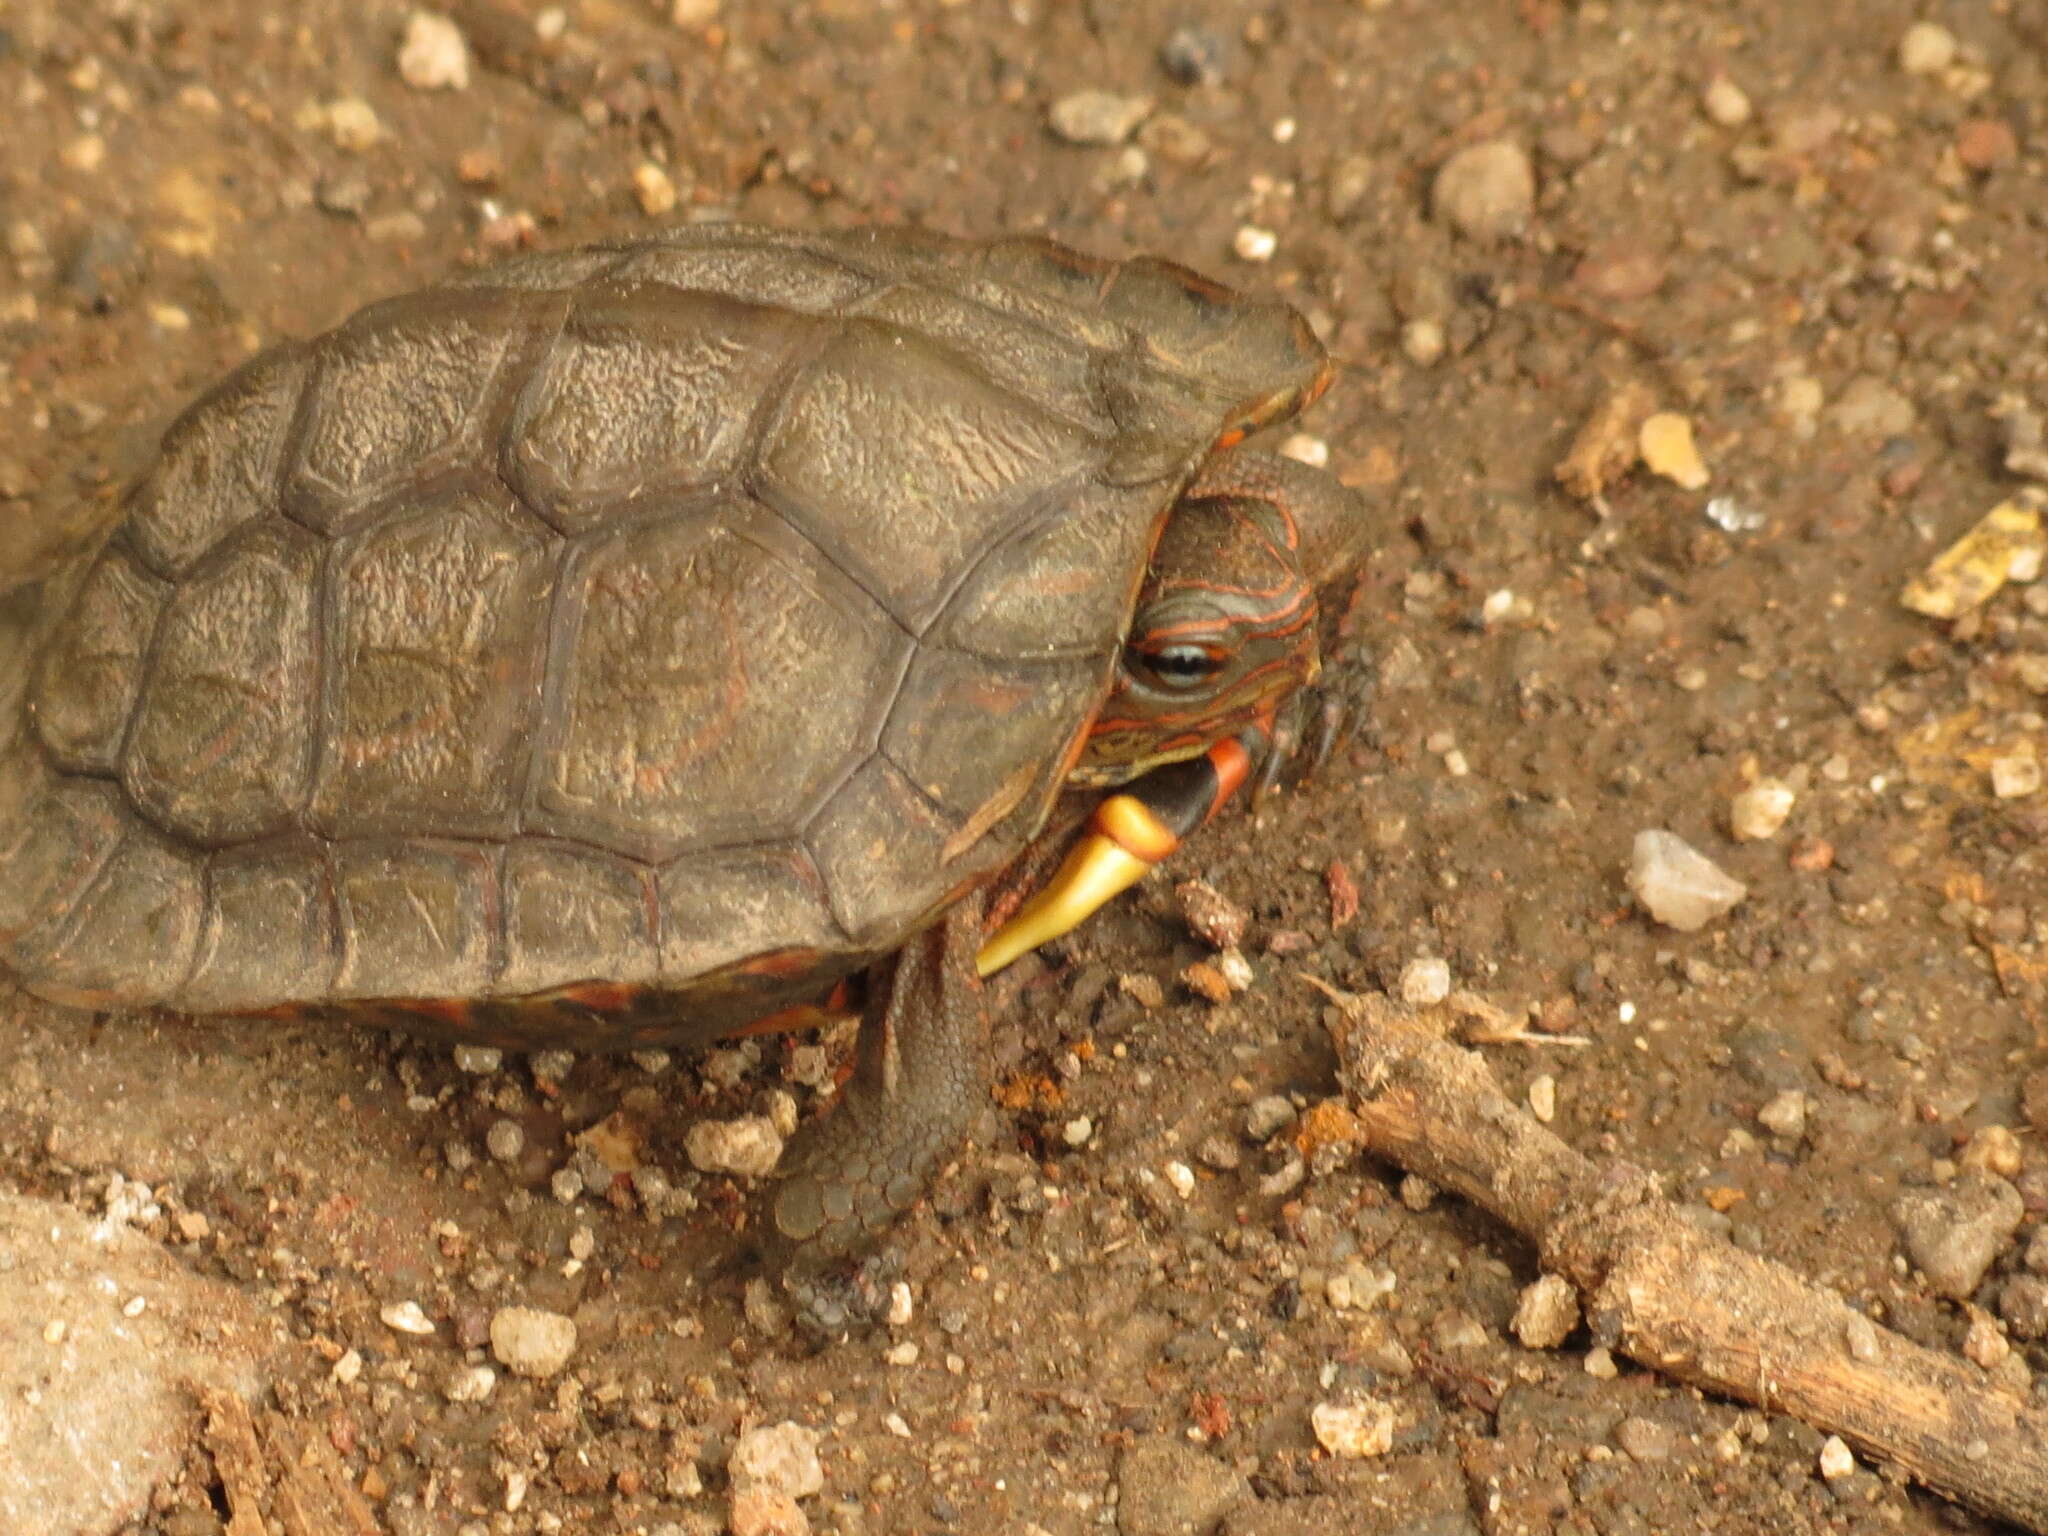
column 2006, row 545
column 1668, row 449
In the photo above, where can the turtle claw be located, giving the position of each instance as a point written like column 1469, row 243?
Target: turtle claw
column 833, row 1297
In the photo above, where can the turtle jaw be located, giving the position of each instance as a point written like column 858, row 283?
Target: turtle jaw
column 1129, row 833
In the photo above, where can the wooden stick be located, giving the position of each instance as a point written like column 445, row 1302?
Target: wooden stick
column 1660, row 1290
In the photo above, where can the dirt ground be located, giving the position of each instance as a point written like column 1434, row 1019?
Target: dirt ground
column 1818, row 240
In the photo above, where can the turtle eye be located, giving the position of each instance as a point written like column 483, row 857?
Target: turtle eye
column 1179, row 667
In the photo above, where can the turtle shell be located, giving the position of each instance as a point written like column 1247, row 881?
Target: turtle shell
column 614, row 644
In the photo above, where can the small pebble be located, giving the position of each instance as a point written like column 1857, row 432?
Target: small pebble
column 1785, row 1115
column 1546, row 1313
column 1600, row 1363
column 505, row 1140
column 2015, row 776
column 1078, row 1132
column 1993, row 1149
column 1235, row 969
column 1665, row 441
column 1985, row 1343
column 1355, row 1429
column 1305, row 448
column 1417, row 1193
column 766, row 1512
column 530, row 1342
column 1422, row 342
column 1487, row 191
column 2023, row 1303
column 1265, row 1118
column 1677, row 885
column 1211, row 916
column 653, row 189
column 1141, row 989
column 469, row 1384
column 479, row 1060
column 1543, row 1097
column 433, row 56
column 348, row 1368
column 902, row 1305
column 1725, row 102
column 351, row 123
column 1836, row 1459
column 1097, row 117
column 1926, row 49
column 406, row 1317
column 1182, row 1178
column 1760, row 811
column 1252, row 243
column 783, row 1457
column 1953, row 1234
column 1643, row 1439
column 1425, row 982
column 749, row 1145
column 1207, row 982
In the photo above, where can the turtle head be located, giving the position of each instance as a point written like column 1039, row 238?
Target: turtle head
column 1225, row 626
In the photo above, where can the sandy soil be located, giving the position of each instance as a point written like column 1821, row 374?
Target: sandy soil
column 1126, row 1303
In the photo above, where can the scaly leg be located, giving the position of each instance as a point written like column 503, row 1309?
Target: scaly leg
column 920, row 1075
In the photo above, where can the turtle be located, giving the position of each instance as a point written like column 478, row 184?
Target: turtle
column 620, row 646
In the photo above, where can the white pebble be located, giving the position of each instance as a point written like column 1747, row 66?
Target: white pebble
column 2015, row 776
column 1486, row 191
column 1254, row 244
column 1425, row 982
column 902, row 1305
column 1543, row 1097
column 1097, row 117
column 1305, row 448
column 1760, row 810
column 1785, row 1115
column 1546, row 1313
column 1725, row 102
column 1078, row 1131
column 1677, row 884
column 1354, row 1429
column 1836, row 1459
column 1422, row 341
column 782, row 1457
column 749, row 1145
column 531, row 1342
column 1182, row 1178
column 469, row 1384
column 406, row 1317
column 1926, row 49
column 433, row 56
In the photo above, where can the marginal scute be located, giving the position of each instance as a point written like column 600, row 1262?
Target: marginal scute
column 89, row 674
column 642, row 394
column 218, row 468
column 435, row 632
column 65, row 830
column 572, row 915
column 414, row 919
column 904, row 463
column 269, row 930
column 701, row 697
column 962, row 726
column 222, row 742
column 727, row 906
column 878, row 845
column 130, row 936
column 400, row 391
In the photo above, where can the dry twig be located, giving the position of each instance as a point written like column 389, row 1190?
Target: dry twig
column 1675, row 1299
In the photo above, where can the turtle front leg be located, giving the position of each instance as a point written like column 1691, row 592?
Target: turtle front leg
column 920, row 1074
